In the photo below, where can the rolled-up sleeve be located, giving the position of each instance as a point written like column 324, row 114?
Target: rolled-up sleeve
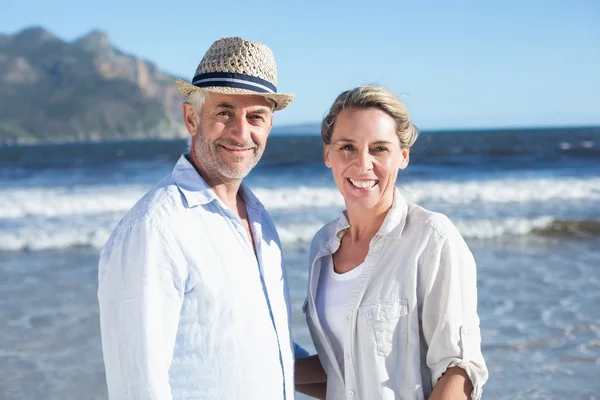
column 140, row 295
column 449, row 315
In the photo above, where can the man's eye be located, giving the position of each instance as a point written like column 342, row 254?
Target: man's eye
column 347, row 147
column 224, row 113
column 257, row 117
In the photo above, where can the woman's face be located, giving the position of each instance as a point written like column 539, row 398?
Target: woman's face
column 365, row 156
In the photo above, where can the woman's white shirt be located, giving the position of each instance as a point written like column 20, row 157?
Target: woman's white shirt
column 332, row 297
column 411, row 313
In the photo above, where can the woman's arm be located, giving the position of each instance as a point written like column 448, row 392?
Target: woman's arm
column 450, row 323
column 310, row 377
column 309, row 370
column 316, row 390
column 453, row 385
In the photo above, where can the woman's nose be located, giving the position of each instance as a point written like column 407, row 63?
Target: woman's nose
column 365, row 161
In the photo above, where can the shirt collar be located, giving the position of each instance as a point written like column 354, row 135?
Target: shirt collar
column 196, row 191
column 395, row 220
column 194, row 188
column 393, row 224
column 249, row 198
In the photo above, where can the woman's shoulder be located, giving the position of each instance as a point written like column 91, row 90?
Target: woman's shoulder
column 436, row 222
column 326, row 232
column 323, row 236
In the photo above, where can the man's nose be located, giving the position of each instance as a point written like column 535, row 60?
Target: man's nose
column 241, row 129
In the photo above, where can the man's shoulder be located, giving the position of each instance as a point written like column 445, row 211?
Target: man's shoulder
column 153, row 208
column 159, row 198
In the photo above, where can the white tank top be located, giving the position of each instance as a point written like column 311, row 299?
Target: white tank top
column 332, row 294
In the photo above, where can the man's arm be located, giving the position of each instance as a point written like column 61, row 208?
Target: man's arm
column 140, row 296
column 310, row 377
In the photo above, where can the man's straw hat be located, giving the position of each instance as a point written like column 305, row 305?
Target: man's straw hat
column 237, row 66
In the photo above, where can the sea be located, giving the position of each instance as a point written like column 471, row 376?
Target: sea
column 527, row 201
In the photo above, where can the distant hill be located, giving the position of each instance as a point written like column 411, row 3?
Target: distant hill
column 297, row 130
column 52, row 90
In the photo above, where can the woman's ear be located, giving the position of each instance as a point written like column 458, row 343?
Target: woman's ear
column 326, row 155
column 405, row 157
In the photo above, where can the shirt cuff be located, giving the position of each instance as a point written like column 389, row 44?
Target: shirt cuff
column 471, row 361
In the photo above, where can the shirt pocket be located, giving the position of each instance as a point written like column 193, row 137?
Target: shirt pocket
column 383, row 324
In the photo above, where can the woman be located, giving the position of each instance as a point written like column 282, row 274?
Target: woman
column 392, row 297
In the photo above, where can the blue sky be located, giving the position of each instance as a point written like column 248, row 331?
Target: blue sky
column 455, row 64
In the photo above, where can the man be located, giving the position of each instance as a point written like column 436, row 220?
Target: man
column 193, row 297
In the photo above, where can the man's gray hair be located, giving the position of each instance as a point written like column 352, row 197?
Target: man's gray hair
column 197, row 99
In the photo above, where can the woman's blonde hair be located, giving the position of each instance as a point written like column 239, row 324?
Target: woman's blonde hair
column 377, row 97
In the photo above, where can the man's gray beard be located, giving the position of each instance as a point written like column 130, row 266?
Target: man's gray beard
column 207, row 152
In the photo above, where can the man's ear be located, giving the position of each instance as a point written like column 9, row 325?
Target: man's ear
column 189, row 118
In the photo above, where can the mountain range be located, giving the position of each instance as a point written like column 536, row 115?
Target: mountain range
column 85, row 90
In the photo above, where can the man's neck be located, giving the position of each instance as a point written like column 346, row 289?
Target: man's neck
column 226, row 190
column 228, row 193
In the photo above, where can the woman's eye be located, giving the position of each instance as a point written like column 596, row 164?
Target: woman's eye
column 347, row 147
column 380, row 149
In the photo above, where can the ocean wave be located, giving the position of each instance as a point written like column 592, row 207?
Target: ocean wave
column 498, row 191
column 582, row 146
column 569, row 228
column 540, row 226
column 482, row 229
column 89, row 200
column 64, row 201
column 53, row 239
column 91, row 233
column 489, row 191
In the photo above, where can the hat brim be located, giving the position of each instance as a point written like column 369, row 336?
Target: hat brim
column 281, row 100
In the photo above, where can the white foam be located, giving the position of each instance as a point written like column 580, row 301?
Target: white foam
column 34, row 237
column 565, row 146
column 37, row 217
column 297, row 234
column 63, row 201
column 300, row 197
column 94, row 232
column 492, row 228
column 471, row 229
column 496, row 191
column 585, row 144
column 88, row 200
column 588, row 144
column 505, row 190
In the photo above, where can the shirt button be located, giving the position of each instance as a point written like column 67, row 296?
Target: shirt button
column 348, row 355
column 351, row 393
column 347, row 319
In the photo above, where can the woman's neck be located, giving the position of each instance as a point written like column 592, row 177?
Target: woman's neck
column 364, row 224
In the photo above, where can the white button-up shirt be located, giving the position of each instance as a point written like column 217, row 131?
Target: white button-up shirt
column 187, row 310
column 412, row 313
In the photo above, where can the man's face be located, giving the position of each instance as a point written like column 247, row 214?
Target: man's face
column 231, row 136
